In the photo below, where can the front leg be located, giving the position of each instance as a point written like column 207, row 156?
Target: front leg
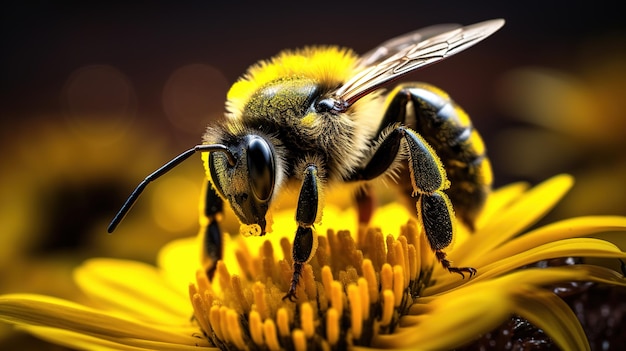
column 429, row 181
column 211, row 213
column 305, row 241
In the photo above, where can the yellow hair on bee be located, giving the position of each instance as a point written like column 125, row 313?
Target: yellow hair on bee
column 329, row 66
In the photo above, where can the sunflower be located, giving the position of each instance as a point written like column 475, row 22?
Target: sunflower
column 362, row 290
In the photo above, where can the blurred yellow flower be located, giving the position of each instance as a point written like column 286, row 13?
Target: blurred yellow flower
column 569, row 119
column 361, row 291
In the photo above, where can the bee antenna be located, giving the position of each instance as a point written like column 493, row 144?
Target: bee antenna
column 218, row 148
column 130, row 201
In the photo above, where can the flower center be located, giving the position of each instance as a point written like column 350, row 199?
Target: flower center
column 350, row 292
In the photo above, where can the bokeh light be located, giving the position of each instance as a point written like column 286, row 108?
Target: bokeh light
column 570, row 119
column 193, row 96
column 100, row 102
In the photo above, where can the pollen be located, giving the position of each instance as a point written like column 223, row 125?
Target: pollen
column 353, row 289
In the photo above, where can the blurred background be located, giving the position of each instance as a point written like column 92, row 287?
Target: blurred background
column 96, row 95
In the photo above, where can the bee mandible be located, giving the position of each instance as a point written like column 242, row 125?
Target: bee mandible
column 318, row 117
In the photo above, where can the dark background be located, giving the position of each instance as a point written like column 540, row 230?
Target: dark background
column 43, row 43
column 95, row 95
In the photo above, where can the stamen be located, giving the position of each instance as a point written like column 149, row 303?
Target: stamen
column 336, row 297
column 356, row 316
column 267, row 253
column 202, row 281
column 332, row 326
column 285, row 245
column 199, row 307
column 269, row 331
column 214, row 319
column 247, row 268
column 282, row 320
column 387, row 307
column 327, row 279
column 223, row 277
column 370, row 276
column 375, row 247
column 348, row 250
column 306, row 320
column 386, row 277
column 398, row 284
column 299, row 340
column 413, row 263
column 344, row 279
column 321, row 256
column 258, row 290
column 411, row 233
column 234, row 328
column 402, row 249
column 391, row 252
column 223, row 322
column 256, row 328
column 208, row 298
column 308, row 281
column 238, row 295
column 283, row 276
column 365, row 297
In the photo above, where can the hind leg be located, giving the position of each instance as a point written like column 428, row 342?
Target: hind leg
column 428, row 179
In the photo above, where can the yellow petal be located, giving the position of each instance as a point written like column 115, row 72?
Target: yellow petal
column 553, row 275
column 513, row 219
column 500, row 199
column 179, row 260
column 450, row 321
column 132, row 287
column 518, row 292
column 577, row 247
column 550, row 313
column 569, row 228
column 81, row 341
column 45, row 311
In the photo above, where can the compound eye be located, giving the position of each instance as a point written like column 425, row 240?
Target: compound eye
column 261, row 168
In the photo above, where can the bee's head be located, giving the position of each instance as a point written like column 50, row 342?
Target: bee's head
column 246, row 179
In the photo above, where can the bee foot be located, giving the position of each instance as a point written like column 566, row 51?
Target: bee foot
column 291, row 296
column 441, row 256
column 297, row 271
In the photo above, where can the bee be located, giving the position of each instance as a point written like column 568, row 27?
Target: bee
column 318, row 117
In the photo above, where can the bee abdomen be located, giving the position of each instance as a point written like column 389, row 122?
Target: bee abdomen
column 449, row 130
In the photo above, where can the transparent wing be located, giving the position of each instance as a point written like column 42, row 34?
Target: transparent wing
column 409, row 52
column 402, row 42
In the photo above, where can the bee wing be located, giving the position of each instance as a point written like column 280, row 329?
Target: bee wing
column 402, row 42
column 408, row 52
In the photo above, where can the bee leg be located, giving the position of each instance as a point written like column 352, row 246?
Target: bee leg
column 436, row 215
column 366, row 203
column 449, row 130
column 211, row 212
column 428, row 179
column 441, row 257
column 305, row 241
column 434, row 208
